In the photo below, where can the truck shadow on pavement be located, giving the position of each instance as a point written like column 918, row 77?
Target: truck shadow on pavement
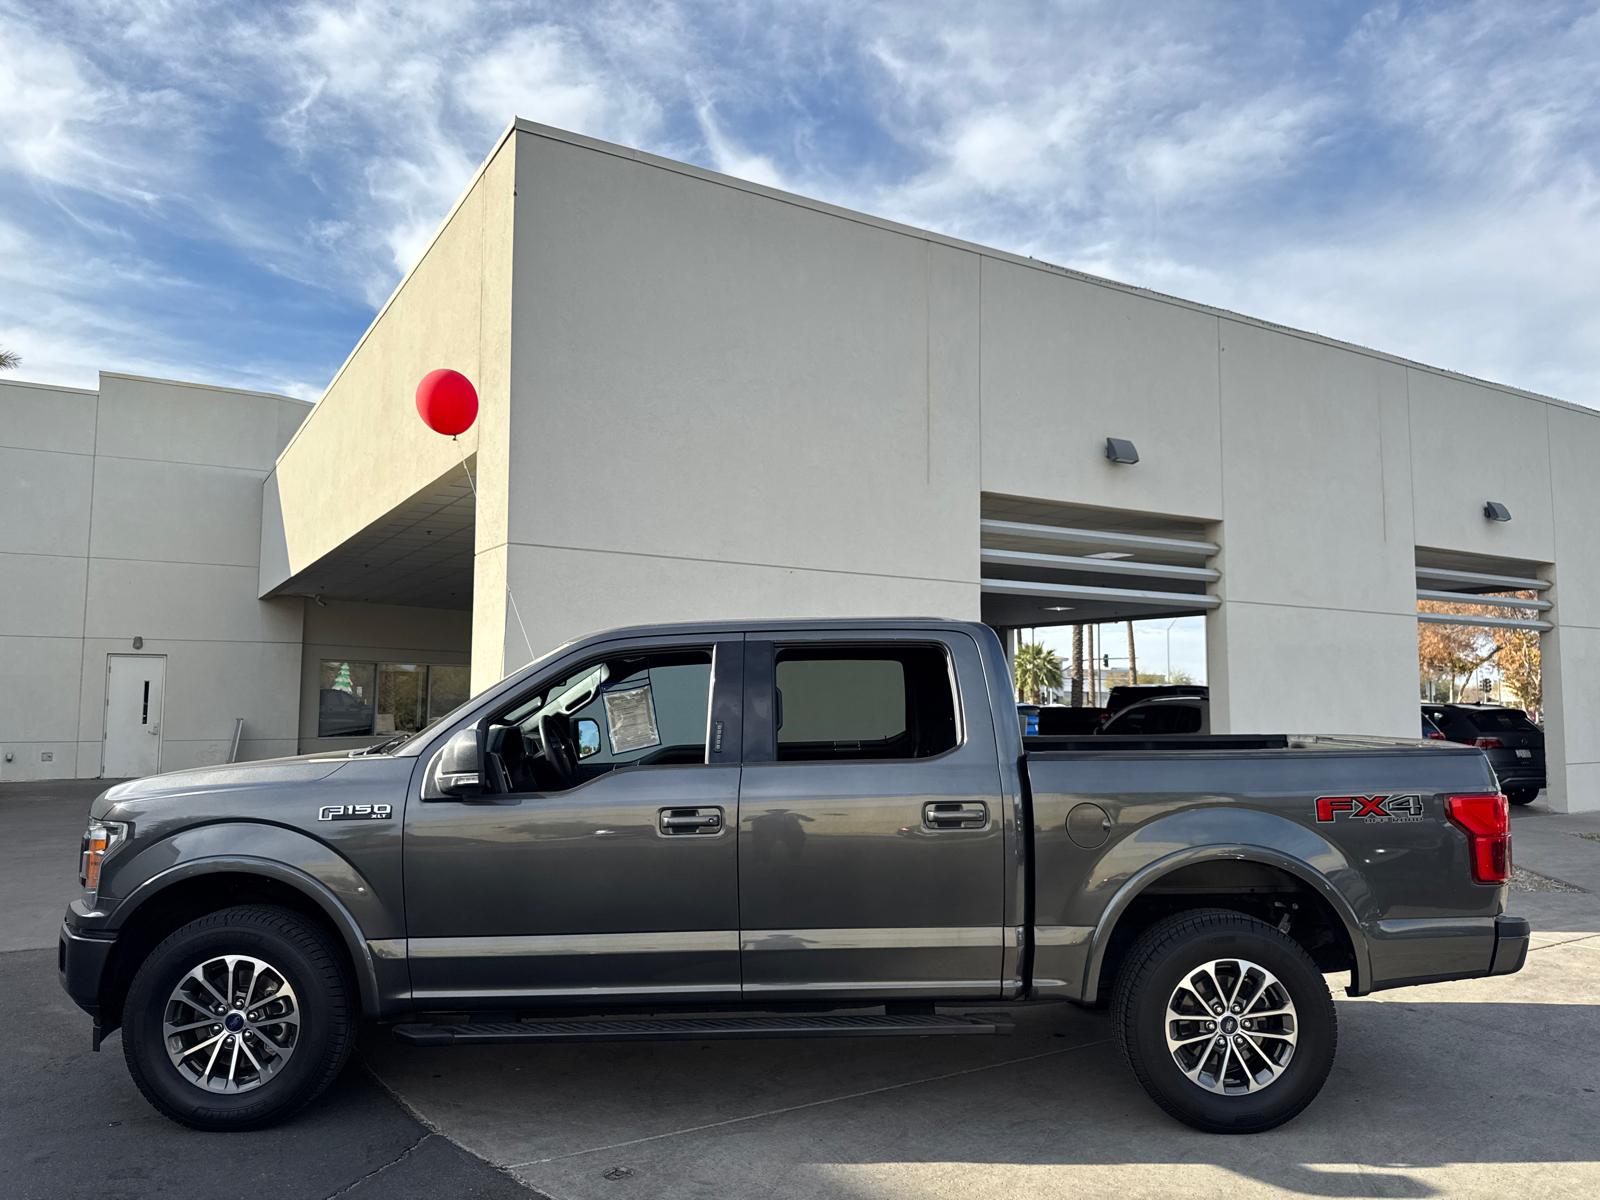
column 1425, row 1099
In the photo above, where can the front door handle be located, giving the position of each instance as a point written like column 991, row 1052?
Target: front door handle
column 678, row 822
column 954, row 814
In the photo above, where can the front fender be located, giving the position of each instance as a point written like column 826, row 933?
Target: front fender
column 274, row 852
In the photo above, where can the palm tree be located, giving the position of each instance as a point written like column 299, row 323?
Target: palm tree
column 10, row 360
column 1038, row 669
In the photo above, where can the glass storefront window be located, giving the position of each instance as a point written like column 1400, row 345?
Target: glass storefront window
column 402, row 698
column 448, row 687
column 365, row 699
column 344, row 703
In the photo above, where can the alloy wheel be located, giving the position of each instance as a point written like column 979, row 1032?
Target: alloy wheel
column 231, row 1023
column 1230, row 1027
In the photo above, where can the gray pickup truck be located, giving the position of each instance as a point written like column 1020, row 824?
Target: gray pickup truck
column 779, row 829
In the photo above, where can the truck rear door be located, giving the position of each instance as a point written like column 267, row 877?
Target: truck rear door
column 871, row 828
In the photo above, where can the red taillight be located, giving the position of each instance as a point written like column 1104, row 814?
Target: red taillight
column 1487, row 743
column 1486, row 820
column 1437, row 736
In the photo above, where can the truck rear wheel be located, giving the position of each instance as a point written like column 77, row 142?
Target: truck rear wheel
column 1226, row 1022
column 238, row 1019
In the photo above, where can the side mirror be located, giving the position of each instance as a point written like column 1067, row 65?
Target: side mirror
column 588, row 737
column 460, row 767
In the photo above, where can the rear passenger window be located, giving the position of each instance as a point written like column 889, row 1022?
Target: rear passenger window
column 863, row 702
column 1503, row 720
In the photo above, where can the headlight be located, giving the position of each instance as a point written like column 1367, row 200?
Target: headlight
column 99, row 840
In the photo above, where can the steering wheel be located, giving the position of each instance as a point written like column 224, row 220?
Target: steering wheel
column 558, row 749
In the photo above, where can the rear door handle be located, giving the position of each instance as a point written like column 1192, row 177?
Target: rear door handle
column 953, row 814
column 680, row 822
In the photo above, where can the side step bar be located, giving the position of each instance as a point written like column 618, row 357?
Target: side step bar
column 694, row 1029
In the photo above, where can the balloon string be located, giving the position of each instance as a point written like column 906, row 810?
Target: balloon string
column 514, row 612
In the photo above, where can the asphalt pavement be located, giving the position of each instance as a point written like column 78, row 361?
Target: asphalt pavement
column 73, row 1125
column 1477, row 1088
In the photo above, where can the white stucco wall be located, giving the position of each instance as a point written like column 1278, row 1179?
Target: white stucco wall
column 724, row 405
column 134, row 511
column 726, row 401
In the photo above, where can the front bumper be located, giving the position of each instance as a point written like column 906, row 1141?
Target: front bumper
column 1511, row 936
column 81, row 963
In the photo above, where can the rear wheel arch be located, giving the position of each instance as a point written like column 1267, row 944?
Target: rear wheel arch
column 183, row 893
column 1200, row 878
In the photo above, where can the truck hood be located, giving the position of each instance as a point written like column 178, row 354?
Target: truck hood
column 303, row 768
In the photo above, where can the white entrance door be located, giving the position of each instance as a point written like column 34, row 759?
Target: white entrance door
column 135, row 687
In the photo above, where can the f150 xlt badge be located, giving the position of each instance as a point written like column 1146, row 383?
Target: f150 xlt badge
column 1371, row 809
column 355, row 812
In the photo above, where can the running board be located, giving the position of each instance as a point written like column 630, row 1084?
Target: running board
column 695, row 1029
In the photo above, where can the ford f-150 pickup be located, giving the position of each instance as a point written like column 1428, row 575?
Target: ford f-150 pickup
column 779, row 829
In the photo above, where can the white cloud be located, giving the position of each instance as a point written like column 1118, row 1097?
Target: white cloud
column 1421, row 178
column 728, row 157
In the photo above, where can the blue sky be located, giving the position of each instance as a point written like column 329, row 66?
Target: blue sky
column 226, row 192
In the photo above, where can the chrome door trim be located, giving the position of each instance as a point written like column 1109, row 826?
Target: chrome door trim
column 672, row 942
column 869, row 987
column 982, row 936
column 687, row 989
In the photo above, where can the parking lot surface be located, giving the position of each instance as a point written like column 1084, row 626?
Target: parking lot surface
column 1477, row 1088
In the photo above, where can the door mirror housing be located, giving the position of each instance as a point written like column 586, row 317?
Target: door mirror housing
column 587, row 737
column 458, row 771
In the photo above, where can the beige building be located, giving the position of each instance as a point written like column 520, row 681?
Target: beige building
column 704, row 398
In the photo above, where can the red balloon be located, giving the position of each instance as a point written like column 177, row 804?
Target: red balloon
column 447, row 402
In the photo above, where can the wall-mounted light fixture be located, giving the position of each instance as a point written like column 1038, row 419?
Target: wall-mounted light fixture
column 1496, row 511
column 138, row 643
column 1120, row 450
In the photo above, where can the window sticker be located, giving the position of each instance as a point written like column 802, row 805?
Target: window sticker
column 631, row 714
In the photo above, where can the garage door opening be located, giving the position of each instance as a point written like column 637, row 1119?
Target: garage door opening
column 1479, row 622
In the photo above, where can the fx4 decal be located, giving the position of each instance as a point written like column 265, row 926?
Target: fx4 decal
column 1372, row 809
column 355, row 812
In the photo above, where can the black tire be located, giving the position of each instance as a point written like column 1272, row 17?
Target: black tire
column 310, row 965
column 1172, row 952
column 1521, row 795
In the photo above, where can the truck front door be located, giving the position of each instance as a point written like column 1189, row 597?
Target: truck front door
column 603, row 865
column 872, row 831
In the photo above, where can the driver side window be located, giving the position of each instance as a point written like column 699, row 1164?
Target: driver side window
column 627, row 710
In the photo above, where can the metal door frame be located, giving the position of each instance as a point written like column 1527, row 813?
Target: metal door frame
column 105, row 709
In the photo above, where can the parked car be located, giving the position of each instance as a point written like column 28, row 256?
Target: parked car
column 1125, row 694
column 727, row 830
column 1514, row 745
column 1063, row 720
column 1162, row 715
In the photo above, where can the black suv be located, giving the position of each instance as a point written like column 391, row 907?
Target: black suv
column 1514, row 744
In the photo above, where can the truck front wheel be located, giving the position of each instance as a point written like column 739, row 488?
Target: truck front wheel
column 1226, row 1022
column 238, row 1019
